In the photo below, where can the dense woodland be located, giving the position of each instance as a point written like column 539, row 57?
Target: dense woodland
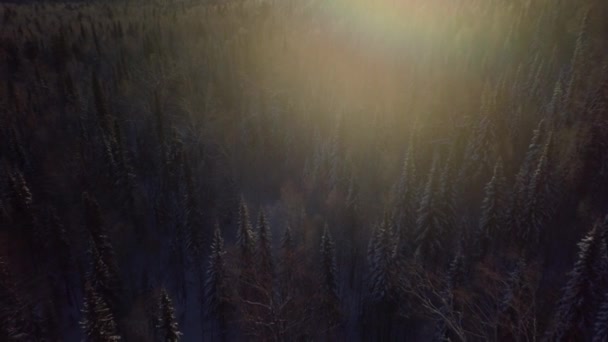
column 333, row 170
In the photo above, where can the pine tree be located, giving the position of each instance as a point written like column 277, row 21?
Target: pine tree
column 194, row 220
column 104, row 282
column 481, row 148
column 385, row 271
column 446, row 203
column 216, row 284
column 95, row 226
column 371, row 247
column 492, row 225
column 522, row 179
column 385, row 279
column 59, row 243
column 245, row 238
column 457, row 271
column 600, row 331
column 406, row 198
column 245, row 243
column 16, row 152
column 263, row 255
column 125, row 173
column 516, row 303
column 23, row 216
column 105, row 118
column 431, row 221
column 101, row 248
column 287, row 262
column 98, row 323
column 576, row 304
column 578, row 84
column 330, row 300
column 167, row 326
column 538, row 202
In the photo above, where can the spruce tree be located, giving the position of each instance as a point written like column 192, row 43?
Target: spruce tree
column 105, row 269
column 245, row 238
column 572, row 318
column 385, row 271
column 194, row 220
column 216, row 283
column 23, row 216
column 95, row 226
column 105, row 118
column 16, row 152
column 446, row 203
column 515, row 304
column 522, row 179
column 263, row 256
column 406, row 199
column 431, row 221
column 600, row 330
column 330, row 299
column 457, row 271
column 245, row 243
column 492, row 225
column 287, row 262
column 59, row 243
column 98, row 322
column 385, row 279
column 480, row 150
column 167, row 325
column 538, row 201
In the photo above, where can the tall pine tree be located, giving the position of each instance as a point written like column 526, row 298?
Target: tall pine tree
column 216, row 283
column 330, row 299
column 167, row 325
column 492, row 226
column 263, row 256
column 431, row 221
column 575, row 309
column 98, row 322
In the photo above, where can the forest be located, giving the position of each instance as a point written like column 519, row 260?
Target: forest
column 304, row 170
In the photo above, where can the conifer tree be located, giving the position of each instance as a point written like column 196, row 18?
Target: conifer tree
column 263, row 255
column 167, row 325
column 480, row 149
column 578, row 84
column 446, row 203
column 194, row 221
column 385, row 271
column 330, row 299
column 101, row 242
column 538, row 202
column 578, row 299
column 104, row 282
column 59, row 243
column 457, row 272
column 406, row 199
column 126, row 175
column 23, row 212
column 287, row 262
column 522, row 179
column 600, row 330
column 105, row 118
column 492, row 222
column 16, row 152
column 98, row 322
column 216, row 284
column 245, row 238
column 385, row 279
column 516, row 304
column 431, row 221
column 245, row 243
